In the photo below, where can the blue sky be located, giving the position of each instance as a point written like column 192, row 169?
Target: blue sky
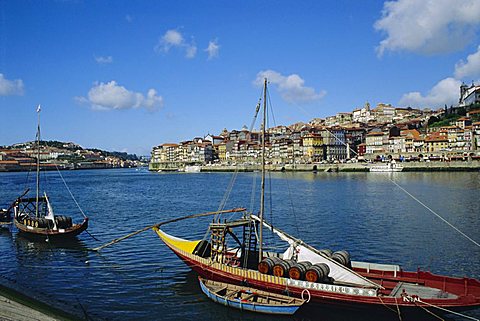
column 129, row 75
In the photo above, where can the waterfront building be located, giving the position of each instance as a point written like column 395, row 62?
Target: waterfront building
column 436, row 142
column 334, row 144
column 374, row 142
column 412, row 141
column 313, row 147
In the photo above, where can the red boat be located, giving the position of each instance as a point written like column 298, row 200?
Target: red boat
column 363, row 285
column 233, row 253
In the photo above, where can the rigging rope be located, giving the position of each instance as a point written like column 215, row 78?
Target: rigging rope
column 436, row 214
column 68, row 189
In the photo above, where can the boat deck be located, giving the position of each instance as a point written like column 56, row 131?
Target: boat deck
column 421, row 291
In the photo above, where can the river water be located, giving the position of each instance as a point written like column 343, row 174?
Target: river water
column 140, row 279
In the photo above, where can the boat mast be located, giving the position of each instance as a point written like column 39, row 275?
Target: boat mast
column 262, row 195
column 38, row 161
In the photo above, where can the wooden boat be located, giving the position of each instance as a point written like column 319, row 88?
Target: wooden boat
column 233, row 253
column 44, row 223
column 34, row 216
column 249, row 299
column 5, row 217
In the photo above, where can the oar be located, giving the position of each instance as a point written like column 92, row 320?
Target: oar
column 166, row 222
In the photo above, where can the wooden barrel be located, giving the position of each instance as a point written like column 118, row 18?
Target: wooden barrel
column 69, row 221
column 266, row 266
column 326, row 252
column 298, row 270
column 317, row 272
column 282, row 267
column 342, row 257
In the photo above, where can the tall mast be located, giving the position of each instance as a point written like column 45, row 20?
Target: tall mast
column 262, row 195
column 38, row 160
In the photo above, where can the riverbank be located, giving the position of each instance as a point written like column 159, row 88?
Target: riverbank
column 426, row 166
column 16, row 306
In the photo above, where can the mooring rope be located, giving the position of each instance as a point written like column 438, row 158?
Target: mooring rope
column 417, row 300
column 436, row 214
column 449, row 311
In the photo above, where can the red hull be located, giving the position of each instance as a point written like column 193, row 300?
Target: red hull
column 467, row 290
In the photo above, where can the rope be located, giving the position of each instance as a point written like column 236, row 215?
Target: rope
column 68, row 189
column 434, row 213
column 449, row 311
column 429, row 312
column 398, row 310
column 389, row 308
column 254, row 193
column 91, row 235
column 292, row 205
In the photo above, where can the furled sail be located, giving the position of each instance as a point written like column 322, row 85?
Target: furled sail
column 305, row 252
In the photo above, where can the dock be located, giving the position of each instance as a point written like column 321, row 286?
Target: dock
column 15, row 306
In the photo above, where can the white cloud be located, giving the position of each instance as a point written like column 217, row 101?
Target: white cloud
column 108, row 96
column 291, row 87
column 446, row 91
column 190, row 51
column 104, row 60
column 470, row 68
column 213, row 49
column 129, row 18
column 428, row 26
column 10, row 87
column 174, row 39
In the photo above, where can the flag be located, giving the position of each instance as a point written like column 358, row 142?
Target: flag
column 38, row 109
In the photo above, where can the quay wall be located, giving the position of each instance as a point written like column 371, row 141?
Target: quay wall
column 353, row 167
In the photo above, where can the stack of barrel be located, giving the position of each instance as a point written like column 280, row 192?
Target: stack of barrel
column 317, row 273
column 38, row 222
column 63, row 221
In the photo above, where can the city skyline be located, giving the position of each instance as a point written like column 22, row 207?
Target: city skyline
column 134, row 75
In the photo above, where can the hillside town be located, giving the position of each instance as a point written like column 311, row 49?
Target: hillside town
column 364, row 134
column 53, row 155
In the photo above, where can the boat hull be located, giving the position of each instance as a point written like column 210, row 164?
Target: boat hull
column 50, row 234
column 335, row 296
column 249, row 306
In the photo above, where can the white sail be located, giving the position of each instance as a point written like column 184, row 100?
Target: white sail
column 50, row 215
column 305, row 252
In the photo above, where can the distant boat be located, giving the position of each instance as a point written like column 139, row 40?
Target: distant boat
column 34, row 216
column 192, row 169
column 249, row 299
column 5, row 217
column 391, row 166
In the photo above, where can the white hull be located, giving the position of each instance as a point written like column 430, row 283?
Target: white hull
column 386, row 168
column 192, row 169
